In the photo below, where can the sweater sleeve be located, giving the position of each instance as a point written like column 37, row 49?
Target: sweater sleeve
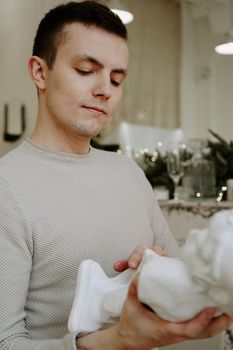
column 16, row 252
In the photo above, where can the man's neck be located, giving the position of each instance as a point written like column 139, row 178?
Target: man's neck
column 75, row 145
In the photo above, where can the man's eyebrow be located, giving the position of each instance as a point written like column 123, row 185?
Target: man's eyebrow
column 97, row 63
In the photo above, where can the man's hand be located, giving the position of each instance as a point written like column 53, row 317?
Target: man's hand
column 140, row 328
column 135, row 258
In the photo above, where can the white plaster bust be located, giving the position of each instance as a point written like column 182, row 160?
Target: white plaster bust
column 175, row 288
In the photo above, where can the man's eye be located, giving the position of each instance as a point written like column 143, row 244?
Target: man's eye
column 83, row 72
column 115, row 83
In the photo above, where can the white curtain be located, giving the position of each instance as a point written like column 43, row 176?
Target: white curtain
column 151, row 91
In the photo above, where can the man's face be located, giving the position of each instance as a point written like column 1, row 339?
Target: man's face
column 85, row 83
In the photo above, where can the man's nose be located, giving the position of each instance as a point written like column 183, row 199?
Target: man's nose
column 103, row 86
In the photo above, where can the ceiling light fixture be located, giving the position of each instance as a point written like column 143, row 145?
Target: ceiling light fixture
column 226, row 48
column 125, row 15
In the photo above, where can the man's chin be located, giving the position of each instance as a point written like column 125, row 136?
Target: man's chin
column 89, row 128
column 88, row 132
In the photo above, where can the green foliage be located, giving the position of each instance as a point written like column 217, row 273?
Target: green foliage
column 221, row 153
column 155, row 168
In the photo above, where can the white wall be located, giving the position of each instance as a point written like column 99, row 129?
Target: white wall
column 206, row 84
column 18, row 24
column 18, row 20
column 222, row 95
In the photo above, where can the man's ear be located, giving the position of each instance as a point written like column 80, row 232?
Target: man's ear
column 37, row 69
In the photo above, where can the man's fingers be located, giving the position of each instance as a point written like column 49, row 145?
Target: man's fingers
column 136, row 256
column 132, row 291
column 196, row 326
column 121, row 265
column 217, row 325
column 208, row 326
column 191, row 329
column 159, row 251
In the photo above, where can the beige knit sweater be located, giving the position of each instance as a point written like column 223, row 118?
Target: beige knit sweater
column 57, row 209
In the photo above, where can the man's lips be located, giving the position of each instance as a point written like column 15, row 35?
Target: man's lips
column 95, row 109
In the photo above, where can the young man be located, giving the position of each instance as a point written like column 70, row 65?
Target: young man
column 63, row 201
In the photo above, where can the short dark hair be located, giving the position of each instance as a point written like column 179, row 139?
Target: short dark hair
column 89, row 13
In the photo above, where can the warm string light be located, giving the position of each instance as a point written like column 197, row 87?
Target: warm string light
column 221, row 193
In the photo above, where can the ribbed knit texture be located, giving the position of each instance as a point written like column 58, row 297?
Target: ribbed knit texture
column 57, row 209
